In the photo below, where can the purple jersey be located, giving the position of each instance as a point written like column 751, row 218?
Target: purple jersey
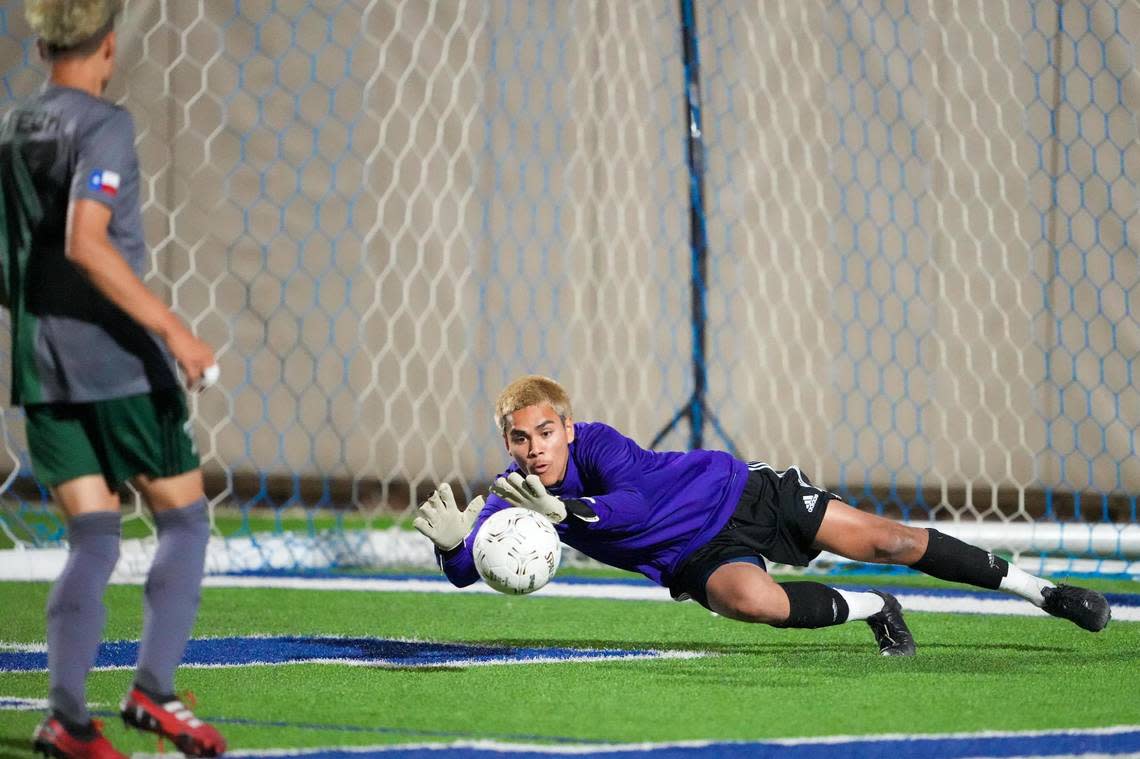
column 654, row 509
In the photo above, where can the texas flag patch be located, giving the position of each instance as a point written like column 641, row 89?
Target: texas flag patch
column 104, row 181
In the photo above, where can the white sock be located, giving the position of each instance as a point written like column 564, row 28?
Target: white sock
column 861, row 605
column 1023, row 584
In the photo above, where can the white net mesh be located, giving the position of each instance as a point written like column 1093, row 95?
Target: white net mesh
column 922, row 284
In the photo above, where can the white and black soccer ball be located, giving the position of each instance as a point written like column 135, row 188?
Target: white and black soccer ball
column 517, row 551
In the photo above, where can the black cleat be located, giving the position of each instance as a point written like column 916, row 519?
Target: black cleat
column 1084, row 608
column 891, row 632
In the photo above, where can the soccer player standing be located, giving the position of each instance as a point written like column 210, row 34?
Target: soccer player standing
column 93, row 353
column 702, row 524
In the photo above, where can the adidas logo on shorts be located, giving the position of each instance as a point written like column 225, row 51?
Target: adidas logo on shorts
column 809, row 501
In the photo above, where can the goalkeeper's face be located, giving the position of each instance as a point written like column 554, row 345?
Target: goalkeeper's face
column 539, row 441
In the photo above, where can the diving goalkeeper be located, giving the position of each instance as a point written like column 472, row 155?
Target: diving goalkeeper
column 703, row 524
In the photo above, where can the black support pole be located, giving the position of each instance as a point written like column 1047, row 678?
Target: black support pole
column 696, row 408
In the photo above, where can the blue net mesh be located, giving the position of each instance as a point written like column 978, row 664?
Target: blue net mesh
column 921, row 279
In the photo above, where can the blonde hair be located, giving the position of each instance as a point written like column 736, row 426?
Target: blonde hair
column 65, row 25
column 531, row 390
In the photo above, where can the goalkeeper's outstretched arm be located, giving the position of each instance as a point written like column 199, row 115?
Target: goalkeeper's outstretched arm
column 530, row 493
column 451, row 531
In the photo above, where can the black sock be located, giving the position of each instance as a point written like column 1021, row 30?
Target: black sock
column 78, row 730
column 950, row 559
column 814, row 605
column 155, row 696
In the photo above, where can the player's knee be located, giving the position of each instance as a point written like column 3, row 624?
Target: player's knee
column 898, row 544
column 762, row 609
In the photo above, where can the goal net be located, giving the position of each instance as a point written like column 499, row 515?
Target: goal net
column 921, row 282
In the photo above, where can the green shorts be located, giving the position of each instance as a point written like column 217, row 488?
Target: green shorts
column 119, row 438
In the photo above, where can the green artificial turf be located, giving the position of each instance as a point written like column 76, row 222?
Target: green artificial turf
column 972, row 672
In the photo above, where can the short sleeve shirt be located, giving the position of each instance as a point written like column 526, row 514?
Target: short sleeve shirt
column 69, row 342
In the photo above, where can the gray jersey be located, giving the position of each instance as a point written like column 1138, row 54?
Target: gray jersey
column 69, row 343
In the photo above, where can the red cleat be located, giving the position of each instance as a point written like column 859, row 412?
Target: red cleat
column 172, row 720
column 52, row 739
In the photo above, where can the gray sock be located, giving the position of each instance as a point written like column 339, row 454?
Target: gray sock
column 75, row 611
column 171, row 594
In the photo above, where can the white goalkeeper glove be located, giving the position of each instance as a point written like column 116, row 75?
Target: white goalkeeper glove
column 441, row 521
column 531, row 494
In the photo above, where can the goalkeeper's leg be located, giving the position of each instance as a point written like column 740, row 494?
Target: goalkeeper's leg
column 742, row 590
column 867, row 537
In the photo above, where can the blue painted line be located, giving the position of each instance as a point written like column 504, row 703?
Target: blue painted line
column 1059, row 743
column 244, row 651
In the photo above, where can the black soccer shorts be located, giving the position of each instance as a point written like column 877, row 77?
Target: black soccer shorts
column 776, row 518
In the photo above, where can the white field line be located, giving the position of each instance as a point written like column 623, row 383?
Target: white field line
column 19, row 704
column 911, row 600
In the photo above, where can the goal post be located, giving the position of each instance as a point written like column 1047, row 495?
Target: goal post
column 920, row 282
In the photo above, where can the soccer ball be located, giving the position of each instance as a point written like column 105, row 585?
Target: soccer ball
column 517, row 551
